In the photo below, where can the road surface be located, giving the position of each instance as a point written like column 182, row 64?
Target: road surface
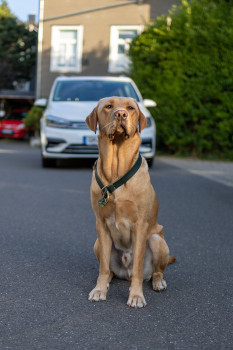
column 47, row 265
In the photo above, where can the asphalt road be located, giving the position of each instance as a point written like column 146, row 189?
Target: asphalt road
column 47, row 266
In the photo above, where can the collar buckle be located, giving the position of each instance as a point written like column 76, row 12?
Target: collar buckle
column 102, row 202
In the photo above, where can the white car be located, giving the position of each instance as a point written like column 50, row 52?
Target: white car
column 64, row 133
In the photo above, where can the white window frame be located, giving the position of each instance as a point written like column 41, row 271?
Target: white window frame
column 114, row 41
column 54, row 67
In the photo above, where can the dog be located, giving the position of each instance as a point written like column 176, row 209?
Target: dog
column 130, row 243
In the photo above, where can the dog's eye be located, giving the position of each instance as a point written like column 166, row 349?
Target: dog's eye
column 109, row 106
column 130, row 107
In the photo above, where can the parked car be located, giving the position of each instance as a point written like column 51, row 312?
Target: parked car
column 13, row 126
column 64, row 133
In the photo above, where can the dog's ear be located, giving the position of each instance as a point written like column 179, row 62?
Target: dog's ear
column 142, row 120
column 92, row 120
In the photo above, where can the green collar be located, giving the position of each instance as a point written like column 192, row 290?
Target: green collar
column 113, row 186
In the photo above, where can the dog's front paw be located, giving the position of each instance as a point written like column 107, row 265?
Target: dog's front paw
column 137, row 301
column 97, row 295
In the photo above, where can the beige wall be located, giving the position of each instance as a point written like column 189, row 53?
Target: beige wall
column 96, row 35
column 159, row 7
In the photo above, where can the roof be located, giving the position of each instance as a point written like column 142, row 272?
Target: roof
column 107, row 78
column 17, row 95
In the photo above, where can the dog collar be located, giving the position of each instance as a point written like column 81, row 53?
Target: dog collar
column 113, row 186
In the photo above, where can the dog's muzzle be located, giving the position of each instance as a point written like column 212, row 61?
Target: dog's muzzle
column 120, row 114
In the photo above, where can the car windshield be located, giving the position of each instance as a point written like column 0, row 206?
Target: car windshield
column 16, row 116
column 92, row 90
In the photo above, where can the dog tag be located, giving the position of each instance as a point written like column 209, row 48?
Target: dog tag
column 102, row 202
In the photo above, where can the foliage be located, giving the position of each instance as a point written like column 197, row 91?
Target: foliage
column 32, row 120
column 185, row 63
column 17, row 49
column 4, row 10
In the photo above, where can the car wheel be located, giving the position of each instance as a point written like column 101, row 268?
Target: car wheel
column 48, row 162
column 26, row 137
column 150, row 162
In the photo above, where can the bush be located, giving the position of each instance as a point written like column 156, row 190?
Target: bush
column 185, row 63
column 32, row 120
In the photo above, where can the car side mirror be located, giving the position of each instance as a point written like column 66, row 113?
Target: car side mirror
column 149, row 103
column 41, row 102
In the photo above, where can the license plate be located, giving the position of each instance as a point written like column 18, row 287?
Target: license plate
column 6, row 131
column 90, row 140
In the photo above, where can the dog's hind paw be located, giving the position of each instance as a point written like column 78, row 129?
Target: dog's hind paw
column 136, row 301
column 97, row 295
column 158, row 283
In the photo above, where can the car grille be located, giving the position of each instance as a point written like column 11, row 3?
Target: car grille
column 78, row 125
column 147, row 143
column 81, row 149
column 52, row 142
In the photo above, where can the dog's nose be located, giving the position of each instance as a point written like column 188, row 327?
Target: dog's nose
column 121, row 113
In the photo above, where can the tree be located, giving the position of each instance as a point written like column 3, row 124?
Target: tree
column 4, row 10
column 17, row 49
column 185, row 63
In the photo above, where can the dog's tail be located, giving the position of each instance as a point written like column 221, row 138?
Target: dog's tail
column 171, row 260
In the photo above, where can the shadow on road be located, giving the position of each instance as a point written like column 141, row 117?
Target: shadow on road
column 75, row 163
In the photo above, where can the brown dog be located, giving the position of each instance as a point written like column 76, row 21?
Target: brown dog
column 130, row 242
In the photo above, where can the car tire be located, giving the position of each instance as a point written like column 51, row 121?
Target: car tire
column 150, row 162
column 48, row 162
column 26, row 137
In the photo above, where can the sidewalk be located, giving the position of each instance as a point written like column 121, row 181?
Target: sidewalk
column 215, row 170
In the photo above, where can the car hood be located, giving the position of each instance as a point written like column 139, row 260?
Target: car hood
column 77, row 110
column 70, row 110
column 11, row 122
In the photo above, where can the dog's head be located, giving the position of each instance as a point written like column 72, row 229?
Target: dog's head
column 116, row 116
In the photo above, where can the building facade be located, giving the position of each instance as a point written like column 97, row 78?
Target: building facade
column 78, row 37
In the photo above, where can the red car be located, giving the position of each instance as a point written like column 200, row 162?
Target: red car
column 12, row 126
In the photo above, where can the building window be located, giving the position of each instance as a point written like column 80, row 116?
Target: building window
column 66, row 49
column 120, row 39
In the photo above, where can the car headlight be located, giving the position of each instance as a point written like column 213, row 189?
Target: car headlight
column 21, row 126
column 56, row 122
column 149, row 122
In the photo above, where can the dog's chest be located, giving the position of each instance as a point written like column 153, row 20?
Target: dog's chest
column 120, row 230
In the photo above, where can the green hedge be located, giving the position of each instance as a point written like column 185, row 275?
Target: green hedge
column 32, row 120
column 186, row 66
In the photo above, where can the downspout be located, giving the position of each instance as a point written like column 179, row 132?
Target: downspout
column 93, row 10
column 39, row 49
